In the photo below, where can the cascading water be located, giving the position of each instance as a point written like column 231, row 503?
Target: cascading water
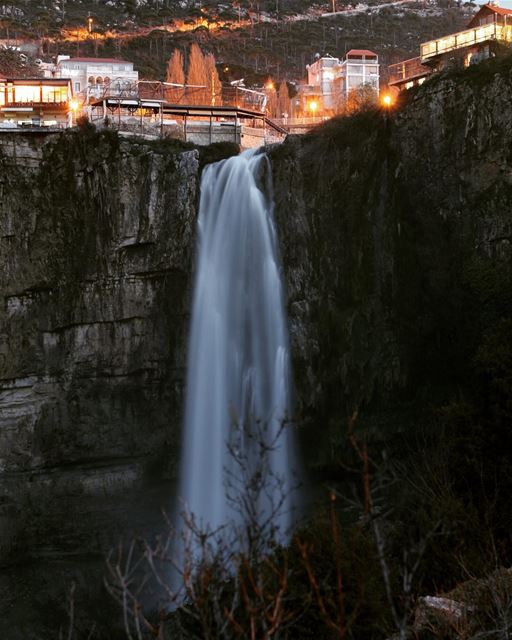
column 238, row 459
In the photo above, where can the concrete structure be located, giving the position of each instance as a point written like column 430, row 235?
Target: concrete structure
column 35, row 102
column 331, row 80
column 487, row 32
column 91, row 77
column 201, row 124
column 360, row 68
column 321, row 74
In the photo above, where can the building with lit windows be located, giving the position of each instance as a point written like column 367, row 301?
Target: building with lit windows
column 331, row 80
column 36, row 102
column 487, row 32
column 94, row 77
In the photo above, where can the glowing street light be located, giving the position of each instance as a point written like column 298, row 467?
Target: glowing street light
column 74, row 105
column 313, row 106
column 269, row 86
column 89, row 24
column 387, row 101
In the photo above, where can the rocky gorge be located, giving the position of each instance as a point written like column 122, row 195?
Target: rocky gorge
column 395, row 234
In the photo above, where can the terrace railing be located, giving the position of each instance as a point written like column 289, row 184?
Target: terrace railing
column 406, row 71
column 454, row 41
column 29, row 104
column 179, row 94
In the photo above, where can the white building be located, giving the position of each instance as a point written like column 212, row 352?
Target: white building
column 321, row 75
column 330, row 80
column 360, row 68
column 91, row 77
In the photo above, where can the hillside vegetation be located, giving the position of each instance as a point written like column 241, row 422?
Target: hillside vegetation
column 254, row 39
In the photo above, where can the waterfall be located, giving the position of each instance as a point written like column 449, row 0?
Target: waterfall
column 238, row 452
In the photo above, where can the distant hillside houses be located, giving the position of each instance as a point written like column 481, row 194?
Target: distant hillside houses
column 488, row 31
column 331, row 81
column 9, row 10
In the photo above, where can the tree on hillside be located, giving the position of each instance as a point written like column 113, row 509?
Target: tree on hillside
column 197, row 75
column 272, row 99
column 214, row 84
column 175, row 75
column 283, row 98
column 15, row 65
column 360, row 98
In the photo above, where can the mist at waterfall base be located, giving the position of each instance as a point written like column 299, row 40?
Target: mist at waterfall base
column 239, row 468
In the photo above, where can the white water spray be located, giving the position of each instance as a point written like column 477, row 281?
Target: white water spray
column 238, row 397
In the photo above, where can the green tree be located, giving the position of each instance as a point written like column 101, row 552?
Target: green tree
column 15, row 65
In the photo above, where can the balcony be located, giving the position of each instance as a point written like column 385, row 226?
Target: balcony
column 26, row 105
column 477, row 35
column 407, row 71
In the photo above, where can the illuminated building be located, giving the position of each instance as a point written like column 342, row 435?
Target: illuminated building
column 488, row 30
column 93, row 77
column 331, row 80
column 40, row 102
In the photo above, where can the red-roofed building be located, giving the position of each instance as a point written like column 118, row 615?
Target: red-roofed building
column 361, row 54
column 487, row 31
column 490, row 14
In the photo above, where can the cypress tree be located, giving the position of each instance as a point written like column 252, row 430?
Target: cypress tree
column 197, row 75
column 176, row 75
column 214, row 84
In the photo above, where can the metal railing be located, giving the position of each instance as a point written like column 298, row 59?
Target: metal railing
column 177, row 94
column 305, row 120
column 407, row 70
column 465, row 38
column 31, row 104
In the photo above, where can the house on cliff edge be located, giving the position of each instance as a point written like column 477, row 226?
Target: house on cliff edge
column 36, row 102
column 486, row 33
column 332, row 80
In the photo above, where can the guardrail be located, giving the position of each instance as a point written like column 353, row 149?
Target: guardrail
column 465, row 38
column 240, row 97
column 407, row 70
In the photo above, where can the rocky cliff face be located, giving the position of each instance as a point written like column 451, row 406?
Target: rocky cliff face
column 396, row 235
column 96, row 238
column 396, row 238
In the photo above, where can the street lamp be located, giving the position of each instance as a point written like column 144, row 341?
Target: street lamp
column 74, row 106
column 89, row 24
column 313, row 106
column 387, row 101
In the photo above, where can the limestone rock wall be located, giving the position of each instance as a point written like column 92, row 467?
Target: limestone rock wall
column 96, row 248
column 396, row 239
